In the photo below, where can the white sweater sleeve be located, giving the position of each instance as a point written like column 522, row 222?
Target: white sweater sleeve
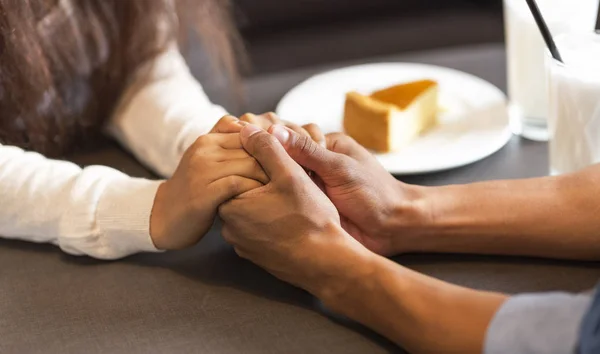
column 160, row 117
column 98, row 211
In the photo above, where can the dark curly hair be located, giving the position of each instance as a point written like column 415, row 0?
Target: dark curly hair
column 65, row 63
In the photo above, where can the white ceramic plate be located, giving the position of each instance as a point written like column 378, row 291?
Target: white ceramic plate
column 474, row 118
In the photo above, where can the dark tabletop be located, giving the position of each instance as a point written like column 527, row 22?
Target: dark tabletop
column 207, row 300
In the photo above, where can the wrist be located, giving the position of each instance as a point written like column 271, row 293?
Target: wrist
column 346, row 266
column 355, row 291
column 158, row 218
column 410, row 217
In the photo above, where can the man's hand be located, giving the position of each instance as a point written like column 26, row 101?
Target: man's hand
column 375, row 208
column 289, row 227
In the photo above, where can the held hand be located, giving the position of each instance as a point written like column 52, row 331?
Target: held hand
column 213, row 170
column 371, row 202
column 289, row 227
column 266, row 120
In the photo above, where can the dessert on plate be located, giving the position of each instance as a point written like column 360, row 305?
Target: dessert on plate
column 389, row 119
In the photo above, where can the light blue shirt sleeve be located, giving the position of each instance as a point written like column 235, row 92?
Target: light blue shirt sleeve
column 544, row 323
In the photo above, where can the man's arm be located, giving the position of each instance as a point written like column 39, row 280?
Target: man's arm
column 425, row 315
column 554, row 217
column 290, row 228
column 422, row 314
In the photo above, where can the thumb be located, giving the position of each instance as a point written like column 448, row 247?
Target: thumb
column 268, row 151
column 304, row 150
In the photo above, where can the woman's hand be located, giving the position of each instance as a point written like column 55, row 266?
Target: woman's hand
column 375, row 208
column 289, row 227
column 213, row 170
column 266, row 120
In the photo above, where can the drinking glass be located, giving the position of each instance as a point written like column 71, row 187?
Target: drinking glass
column 527, row 86
column 574, row 102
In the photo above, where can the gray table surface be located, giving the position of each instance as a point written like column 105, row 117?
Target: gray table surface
column 207, row 300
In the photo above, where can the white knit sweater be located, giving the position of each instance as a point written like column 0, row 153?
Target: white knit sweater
column 98, row 211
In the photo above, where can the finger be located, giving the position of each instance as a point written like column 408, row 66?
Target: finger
column 259, row 121
column 305, row 151
column 227, row 124
column 226, row 232
column 296, row 128
column 343, row 144
column 223, row 140
column 247, row 167
column 228, row 211
column 271, row 117
column 232, row 238
column 315, row 133
column 231, row 154
column 231, row 186
column 269, row 152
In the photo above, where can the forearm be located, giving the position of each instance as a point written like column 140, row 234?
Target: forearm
column 548, row 217
column 421, row 314
column 162, row 113
column 96, row 211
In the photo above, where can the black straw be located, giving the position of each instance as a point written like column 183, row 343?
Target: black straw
column 537, row 15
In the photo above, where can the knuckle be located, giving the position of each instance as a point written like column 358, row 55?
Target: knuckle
column 350, row 171
column 336, row 136
column 341, row 162
column 311, row 127
column 201, row 141
column 348, row 140
column 225, row 119
column 293, row 126
column 232, row 184
column 339, row 142
column 200, row 155
column 272, row 117
column 306, row 145
column 290, row 179
column 315, row 132
column 248, row 117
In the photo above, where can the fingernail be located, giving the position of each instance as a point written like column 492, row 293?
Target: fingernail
column 280, row 133
column 323, row 143
column 250, row 130
column 242, row 123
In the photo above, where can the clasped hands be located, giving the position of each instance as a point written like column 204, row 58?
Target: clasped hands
column 304, row 229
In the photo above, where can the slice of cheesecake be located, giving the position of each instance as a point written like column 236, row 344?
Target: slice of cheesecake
column 389, row 119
